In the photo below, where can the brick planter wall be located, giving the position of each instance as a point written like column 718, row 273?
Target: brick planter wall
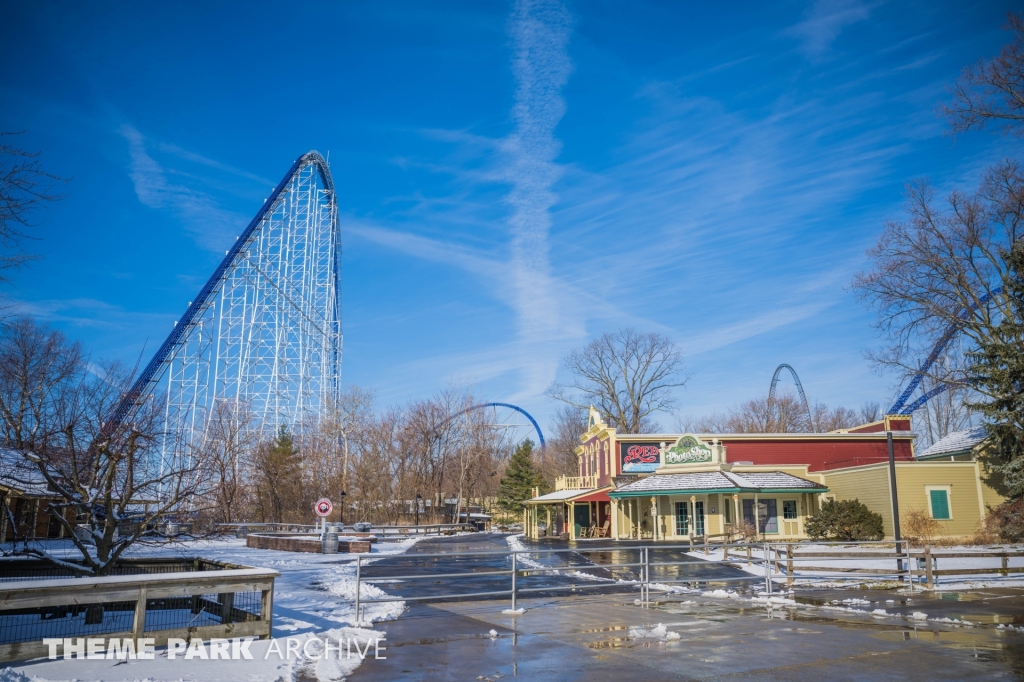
column 291, row 543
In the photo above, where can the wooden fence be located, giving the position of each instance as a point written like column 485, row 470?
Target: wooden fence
column 234, row 602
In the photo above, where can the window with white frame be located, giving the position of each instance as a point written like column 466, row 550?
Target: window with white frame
column 939, row 502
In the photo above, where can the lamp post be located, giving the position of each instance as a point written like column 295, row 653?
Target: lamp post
column 341, row 508
column 419, row 499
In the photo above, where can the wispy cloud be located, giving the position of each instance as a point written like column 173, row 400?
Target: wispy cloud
column 540, row 32
column 825, row 20
column 210, row 225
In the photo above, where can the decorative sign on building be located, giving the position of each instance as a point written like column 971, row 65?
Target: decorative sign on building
column 639, row 457
column 688, row 450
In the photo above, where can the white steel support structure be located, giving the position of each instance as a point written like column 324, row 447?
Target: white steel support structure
column 265, row 330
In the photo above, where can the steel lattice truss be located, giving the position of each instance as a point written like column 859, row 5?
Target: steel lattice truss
column 265, row 330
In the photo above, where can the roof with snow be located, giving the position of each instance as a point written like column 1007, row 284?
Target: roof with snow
column 719, row 481
column 20, row 475
column 561, row 495
column 956, row 443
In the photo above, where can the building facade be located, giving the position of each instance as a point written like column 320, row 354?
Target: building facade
column 687, row 486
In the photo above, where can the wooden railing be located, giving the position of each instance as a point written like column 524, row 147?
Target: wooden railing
column 575, row 482
column 178, row 604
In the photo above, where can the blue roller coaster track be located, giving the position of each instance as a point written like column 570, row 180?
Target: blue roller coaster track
column 481, row 406
column 901, row 406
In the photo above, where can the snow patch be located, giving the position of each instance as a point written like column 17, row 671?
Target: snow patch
column 660, row 632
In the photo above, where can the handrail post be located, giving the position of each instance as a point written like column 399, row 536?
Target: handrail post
column 767, row 569
column 359, row 561
column 646, row 570
column 515, row 570
column 789, row 565
column 929, row 575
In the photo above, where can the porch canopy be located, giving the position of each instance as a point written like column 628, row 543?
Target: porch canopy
column 704, row 482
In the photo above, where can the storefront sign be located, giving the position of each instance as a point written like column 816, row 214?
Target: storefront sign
column 639, row 457
column 688, row 450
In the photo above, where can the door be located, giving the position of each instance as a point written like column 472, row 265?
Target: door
column 790, row 517
column 682, row 518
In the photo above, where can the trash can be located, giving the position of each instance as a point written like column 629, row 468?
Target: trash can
column 241, row 531
column 330, row 543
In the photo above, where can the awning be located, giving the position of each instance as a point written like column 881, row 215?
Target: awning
column 566, row 496
column 705, row 482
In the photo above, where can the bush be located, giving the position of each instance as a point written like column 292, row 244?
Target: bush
column 1007, row 521
column 845, row 520
column 919, row 527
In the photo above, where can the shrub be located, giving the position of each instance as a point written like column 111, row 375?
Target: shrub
column 845, row 520
column 920, row 527
column 1007, row 521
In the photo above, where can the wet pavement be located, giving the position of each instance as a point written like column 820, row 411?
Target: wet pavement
column 594, row 635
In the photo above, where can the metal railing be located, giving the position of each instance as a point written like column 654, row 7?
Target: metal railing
column 785, row 562
column 778, row 562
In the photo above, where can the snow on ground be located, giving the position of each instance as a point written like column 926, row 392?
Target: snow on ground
column 313, row 599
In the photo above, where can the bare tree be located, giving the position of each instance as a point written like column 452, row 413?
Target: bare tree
column 992, row 92
column 870, row 411
column 785, row 415
column 628, row 376
column 24, row 186
column 940, row 270
column 113, row 483
column 558, row 456
column 227, row 448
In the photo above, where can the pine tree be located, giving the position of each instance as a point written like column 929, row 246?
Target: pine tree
column 279, row 467
column 998, row 368
column 521, row 476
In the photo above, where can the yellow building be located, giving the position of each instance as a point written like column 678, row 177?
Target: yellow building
column 681, row 487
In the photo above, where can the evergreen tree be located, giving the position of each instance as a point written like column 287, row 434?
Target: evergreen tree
column 997, row 367
column 521, row 476
column 279, row 468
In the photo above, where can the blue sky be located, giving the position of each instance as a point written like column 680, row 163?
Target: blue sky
column 514, row 179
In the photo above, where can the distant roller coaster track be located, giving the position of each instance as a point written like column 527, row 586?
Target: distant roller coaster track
column 481, row 406
column 799, row 389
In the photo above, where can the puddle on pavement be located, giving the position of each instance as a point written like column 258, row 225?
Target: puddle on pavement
column 610, row 628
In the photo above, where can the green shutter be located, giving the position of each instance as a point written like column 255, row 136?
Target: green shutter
column 940, row 504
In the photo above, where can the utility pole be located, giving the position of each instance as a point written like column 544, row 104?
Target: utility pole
column 895, row 497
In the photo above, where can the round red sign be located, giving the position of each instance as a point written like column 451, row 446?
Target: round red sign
column 323, row 507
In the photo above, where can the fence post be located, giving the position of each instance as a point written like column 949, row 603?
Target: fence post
column 359, row 561
column 789, row 565
column 706, row 552
column 767, row 569
column 749, row 562
column 928, row 575
column 514, row 571
column 139, row 623
column 1005, row 564
column 267, row 610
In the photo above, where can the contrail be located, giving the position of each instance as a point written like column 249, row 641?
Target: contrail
column 540, row 32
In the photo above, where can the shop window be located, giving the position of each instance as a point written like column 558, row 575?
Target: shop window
column 939, row 502
column 727, row 505
column 789, row 509
column 767, row 515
